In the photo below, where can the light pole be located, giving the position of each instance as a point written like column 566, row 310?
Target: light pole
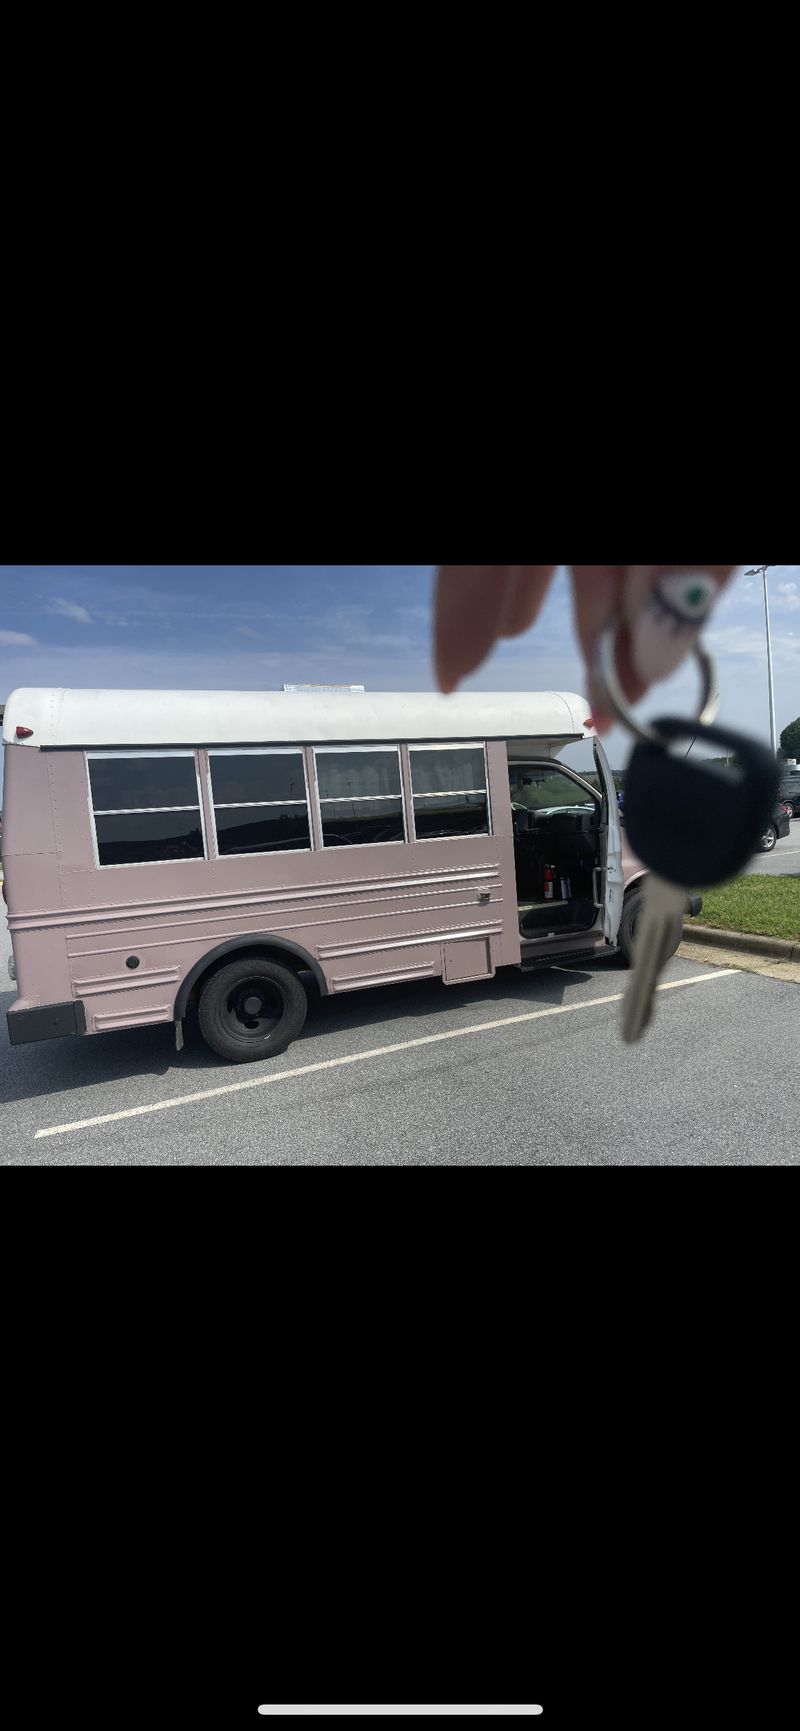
column 761, row 571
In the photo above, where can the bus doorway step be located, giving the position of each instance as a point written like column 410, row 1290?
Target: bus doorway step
column 534, row 964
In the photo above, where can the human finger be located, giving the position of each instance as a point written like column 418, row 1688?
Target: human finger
column 475, row 605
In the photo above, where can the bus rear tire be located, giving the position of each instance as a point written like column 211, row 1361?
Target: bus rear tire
column 250, row 1009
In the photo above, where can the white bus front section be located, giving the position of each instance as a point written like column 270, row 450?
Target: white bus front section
column 546, row 939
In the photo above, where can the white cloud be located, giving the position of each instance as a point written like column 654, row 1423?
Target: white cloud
column 70, row 610
column 741, row 642
column 11, row 637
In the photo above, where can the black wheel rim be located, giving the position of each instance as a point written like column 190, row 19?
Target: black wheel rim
column 253, row 1009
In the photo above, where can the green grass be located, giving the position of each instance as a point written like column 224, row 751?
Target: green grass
column 767, row 905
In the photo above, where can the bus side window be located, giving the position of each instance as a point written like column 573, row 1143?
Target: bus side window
column 260, row 801
column 145, row 807
column 450, row 791
column 360, row 795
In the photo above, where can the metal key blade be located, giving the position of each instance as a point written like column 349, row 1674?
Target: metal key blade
column 654, row 944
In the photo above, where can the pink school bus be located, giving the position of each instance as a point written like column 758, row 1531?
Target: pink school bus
column 225, row 848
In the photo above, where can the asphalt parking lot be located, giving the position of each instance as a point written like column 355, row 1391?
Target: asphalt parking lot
column 525, row 1070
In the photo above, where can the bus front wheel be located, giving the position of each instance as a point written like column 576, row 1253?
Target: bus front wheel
column 634, row 902
column 252, row 1008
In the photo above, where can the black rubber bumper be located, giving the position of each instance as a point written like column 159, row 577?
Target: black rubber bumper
column 46, row 1022
column 694, row 905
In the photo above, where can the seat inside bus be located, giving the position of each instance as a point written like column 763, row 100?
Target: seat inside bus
column 556, row 847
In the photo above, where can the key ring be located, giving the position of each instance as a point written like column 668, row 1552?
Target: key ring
column 612, row 696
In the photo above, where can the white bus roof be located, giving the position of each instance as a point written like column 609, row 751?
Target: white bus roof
column 59, row 717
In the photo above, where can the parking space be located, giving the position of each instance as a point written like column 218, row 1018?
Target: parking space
column 527, row 1070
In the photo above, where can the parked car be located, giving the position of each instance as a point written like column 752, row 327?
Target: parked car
column 789, row 791
column 779, row 827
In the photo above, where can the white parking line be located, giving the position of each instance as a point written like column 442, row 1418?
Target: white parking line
column 361, row 1057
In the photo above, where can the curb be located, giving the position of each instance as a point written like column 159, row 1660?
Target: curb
column 751, row 942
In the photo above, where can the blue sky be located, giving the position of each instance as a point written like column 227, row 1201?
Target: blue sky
column 234, row 626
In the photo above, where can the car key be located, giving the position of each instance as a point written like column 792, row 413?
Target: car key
column 693, row 824
column 654, row 943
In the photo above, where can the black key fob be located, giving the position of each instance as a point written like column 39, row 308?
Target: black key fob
column 692, row 820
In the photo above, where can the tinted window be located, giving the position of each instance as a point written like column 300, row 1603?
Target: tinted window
column 357, row 774
column 451, row 814
column 262, row 829
column 448, row 771
column 353, row 823
column 258, row 778
column 136, row 838
column 260, row 803
column 130, row 783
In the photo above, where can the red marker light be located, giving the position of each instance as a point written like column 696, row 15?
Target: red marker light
column 24, row 732
column 589, row 722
